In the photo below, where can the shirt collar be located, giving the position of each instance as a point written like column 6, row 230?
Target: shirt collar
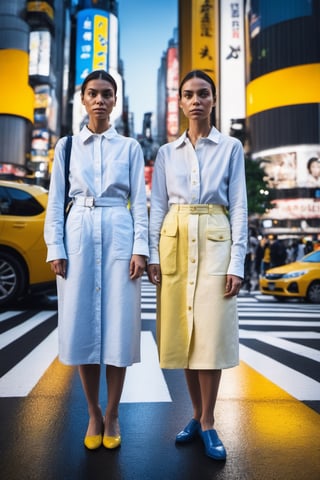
column 214, row 136
column 85, row 133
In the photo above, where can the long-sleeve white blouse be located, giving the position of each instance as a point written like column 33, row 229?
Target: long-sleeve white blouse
column 104, row 165
column 211, row 173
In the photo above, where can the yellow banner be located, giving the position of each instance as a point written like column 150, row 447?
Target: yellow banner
column 100, row 42
column 205, row 36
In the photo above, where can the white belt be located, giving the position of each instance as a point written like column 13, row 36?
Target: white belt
column 99, row 202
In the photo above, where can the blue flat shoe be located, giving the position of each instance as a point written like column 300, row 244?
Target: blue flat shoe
column 189, row 432
column 213, row 446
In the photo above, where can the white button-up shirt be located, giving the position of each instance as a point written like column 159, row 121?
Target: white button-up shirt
column 211, row 173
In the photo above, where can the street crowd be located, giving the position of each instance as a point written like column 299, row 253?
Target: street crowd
column 270, row 251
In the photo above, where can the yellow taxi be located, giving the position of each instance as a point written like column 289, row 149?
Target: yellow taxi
column 23, row 264
column 295, row 280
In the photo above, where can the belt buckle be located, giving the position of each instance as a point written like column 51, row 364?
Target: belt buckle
column 89, row 202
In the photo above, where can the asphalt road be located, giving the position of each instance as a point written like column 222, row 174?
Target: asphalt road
column 267, row 411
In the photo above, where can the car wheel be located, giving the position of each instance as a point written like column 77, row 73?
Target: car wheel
column 313, row 293
column 12, row 278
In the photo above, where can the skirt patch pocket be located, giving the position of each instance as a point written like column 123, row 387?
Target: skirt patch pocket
column 168, row 246
column 218, row 245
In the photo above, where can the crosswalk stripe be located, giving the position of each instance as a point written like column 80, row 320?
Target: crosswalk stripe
column 9, row 314
column 288, row 322
column 279, row 314
column 145, row 381
column 295, row 383
column 17, row 332
column 296, row 334
column 21, row 379
column 283, row 344
column 148, row 316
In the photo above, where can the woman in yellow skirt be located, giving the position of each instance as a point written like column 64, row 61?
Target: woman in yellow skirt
column 198, row 235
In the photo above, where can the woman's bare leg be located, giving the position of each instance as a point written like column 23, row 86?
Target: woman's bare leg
column 192, row 378
column 90, row 379
column 115, row 380
column 209, row 381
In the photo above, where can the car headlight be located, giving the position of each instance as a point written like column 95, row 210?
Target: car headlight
column 295, row 274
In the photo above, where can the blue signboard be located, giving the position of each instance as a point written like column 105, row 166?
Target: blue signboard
column 92, row 45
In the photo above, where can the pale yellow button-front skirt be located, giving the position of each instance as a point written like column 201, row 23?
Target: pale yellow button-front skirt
column 197, row 327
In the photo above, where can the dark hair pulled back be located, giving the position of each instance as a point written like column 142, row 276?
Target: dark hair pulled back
column 99, row 74
column 197, row 74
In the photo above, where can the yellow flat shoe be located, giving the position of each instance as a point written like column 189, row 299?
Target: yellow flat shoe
column 92, row 442
column 111, row 442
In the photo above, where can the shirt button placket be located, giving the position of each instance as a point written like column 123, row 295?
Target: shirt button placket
column 98, row 237
column 195, row 179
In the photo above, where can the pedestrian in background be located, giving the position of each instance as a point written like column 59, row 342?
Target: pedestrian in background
column 300, row 249
column 198, row 237
column 308, row 247
column 278, row 252
column 99, row 255
column 258, row 261
column 266, row 260
column 249, row 271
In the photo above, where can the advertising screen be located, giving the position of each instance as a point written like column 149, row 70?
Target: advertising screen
column 92, row 43
column 292, row 168
column 40, row 49
column 293, row 176
column 172, row 95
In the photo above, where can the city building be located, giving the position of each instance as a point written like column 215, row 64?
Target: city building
column 263, row 55
column 283, row 97
column 40, row 42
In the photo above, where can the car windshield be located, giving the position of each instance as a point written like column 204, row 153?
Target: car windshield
column 313, row 257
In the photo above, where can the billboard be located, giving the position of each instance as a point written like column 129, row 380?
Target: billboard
column 172, row 94
column 291, row 167
column 92, row 43
column 40, row 52
column 232, row 63
column 96, row 49
column 205, row 34
column 293, row 176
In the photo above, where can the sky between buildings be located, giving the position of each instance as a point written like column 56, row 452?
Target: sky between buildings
column 146, row 26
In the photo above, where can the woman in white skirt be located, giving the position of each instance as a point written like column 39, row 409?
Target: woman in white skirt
column 99, row 254
column 198, row 235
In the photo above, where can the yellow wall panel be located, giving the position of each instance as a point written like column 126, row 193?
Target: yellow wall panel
column 16, row 95
column 289, row 86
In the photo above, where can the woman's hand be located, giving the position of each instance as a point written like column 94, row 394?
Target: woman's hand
column 137, row 266
column 59, row 267
column 233, row 285
column 154, row 273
